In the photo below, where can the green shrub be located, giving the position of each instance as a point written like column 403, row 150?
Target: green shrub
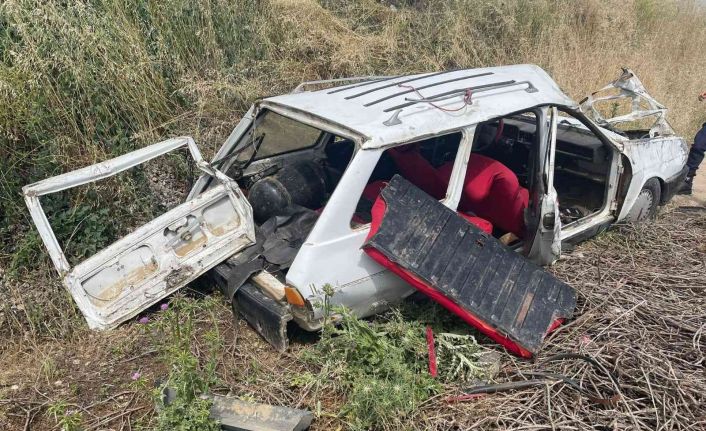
column 381, row 367
column 189, row 379
column 66, row 419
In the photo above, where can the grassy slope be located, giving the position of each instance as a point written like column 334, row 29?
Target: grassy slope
column 83, row 82
column 90, row 80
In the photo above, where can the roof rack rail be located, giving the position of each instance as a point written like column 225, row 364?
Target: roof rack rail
column 433, row 84
column 299, row 88
column 476, row 89
column 348, row 87
column 416, row 77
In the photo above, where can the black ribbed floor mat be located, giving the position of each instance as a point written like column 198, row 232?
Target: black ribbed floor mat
column 515, row 297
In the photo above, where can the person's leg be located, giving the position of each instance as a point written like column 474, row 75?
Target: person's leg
column 696, row 156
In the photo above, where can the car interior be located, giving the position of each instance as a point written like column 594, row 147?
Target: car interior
column 495, row 193
column 491, row 198
column 582, row 161
column 497, row 177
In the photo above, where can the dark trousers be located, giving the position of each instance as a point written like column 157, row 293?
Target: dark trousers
column 696, row 154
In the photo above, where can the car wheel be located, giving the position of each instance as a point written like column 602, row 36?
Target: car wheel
column 645, row 206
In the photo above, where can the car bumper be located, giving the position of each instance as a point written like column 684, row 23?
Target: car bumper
column 672, row 185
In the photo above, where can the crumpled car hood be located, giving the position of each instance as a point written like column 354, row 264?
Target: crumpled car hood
column 643, row 105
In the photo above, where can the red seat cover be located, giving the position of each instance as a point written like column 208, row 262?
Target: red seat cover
column 418, row 171
column 492, row 191
column 372, row 191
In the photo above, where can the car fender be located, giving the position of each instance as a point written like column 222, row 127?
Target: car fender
column 661, row 157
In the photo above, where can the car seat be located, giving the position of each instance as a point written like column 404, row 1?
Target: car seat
column 372, row 191
column 418, row 171
column 492, row 191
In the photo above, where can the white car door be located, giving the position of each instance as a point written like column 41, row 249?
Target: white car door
column 157, row 258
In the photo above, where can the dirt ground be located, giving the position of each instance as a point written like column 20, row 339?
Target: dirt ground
column 641, row 314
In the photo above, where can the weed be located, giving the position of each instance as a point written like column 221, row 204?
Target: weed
column 66, row 418
column 188, row 378
column 183, row 415
column 458, row 353
column 380, row 366
column 49, row 369
column 459, row 357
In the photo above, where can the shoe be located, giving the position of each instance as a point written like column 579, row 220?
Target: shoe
column 686, row 187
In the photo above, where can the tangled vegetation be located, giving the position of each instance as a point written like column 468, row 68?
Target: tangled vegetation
column 381, row 367
column 179, row 396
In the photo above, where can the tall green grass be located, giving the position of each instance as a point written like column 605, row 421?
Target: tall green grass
column 84, row 81
column 81, row 81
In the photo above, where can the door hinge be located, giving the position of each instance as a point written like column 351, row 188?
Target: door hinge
column 613, row 205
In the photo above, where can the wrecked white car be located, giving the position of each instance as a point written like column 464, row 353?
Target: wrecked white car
column 386, row 185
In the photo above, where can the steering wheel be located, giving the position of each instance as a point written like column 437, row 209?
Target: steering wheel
column 496, row 138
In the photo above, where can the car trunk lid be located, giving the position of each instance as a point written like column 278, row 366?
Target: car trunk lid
column 155, row 259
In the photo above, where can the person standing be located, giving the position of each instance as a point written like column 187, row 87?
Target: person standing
column 696, row 156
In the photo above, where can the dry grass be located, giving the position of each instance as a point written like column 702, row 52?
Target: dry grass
column 641, row 313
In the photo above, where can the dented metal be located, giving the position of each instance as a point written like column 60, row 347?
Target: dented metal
column 629, row 86
column 216, row 221
column 157, row 258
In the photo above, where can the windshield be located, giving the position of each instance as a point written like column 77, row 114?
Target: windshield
column 275, row 134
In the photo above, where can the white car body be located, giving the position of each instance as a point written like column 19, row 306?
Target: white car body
column 332, row 255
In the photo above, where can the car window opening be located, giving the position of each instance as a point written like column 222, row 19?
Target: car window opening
column 582, row 169
column 282, row 164
column 287, row 170
column 427, row 164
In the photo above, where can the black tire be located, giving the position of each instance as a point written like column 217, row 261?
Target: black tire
column 645, row 207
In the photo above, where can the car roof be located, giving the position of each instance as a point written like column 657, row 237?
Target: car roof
column 386, row 111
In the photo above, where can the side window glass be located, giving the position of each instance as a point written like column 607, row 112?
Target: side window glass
column 427, row 164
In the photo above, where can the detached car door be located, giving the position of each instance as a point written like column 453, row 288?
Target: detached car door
column 157, row 258
column 458, row 265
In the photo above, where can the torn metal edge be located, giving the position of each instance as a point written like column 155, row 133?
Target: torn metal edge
column 629, row 86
